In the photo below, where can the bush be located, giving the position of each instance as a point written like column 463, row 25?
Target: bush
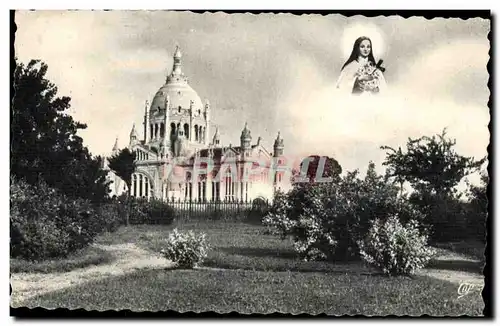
column 187, row 249
column 142, row 211
column 327, row 220
column 395, row 249
column 278, row 220
column 45, row 224
column 111, row 215
column 303, row 215
column 159, row 212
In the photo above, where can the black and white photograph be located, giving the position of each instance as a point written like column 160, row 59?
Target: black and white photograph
column 249, row 163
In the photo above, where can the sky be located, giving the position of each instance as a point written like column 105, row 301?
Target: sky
column 275, row 71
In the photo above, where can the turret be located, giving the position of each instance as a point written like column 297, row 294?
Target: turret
column 245, row 138
column 115, row 147
column 216, row 139
column 133, row 136
column 278, row 146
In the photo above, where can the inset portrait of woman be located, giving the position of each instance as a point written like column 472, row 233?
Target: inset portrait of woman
column 360, row 74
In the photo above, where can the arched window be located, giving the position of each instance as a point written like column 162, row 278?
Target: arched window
column 140, row 185
column 134, row 186
column 196, row 132
column 186, row 130
column 162, row 129
column 179, row 109
column 172, row 128
column 151, row 131
column 229, row 186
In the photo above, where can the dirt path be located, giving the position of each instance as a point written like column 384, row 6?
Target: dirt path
column 128, row 258
column 458, row 277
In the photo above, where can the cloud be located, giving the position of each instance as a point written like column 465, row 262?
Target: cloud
column 274, row 71
column 456, row 71
column 352, row 129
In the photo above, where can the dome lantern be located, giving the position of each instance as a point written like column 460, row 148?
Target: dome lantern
column 177, row 62
column 178, row 90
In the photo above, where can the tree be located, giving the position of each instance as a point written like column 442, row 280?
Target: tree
column 434, row 169
column 479, row 193
column 430, row 162
column 123, row 165
column 44, row 142
column 478, row 208
column 331, row 167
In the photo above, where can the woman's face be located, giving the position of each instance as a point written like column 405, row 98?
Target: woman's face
column 365, row 48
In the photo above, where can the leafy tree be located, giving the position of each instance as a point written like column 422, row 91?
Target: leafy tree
column 44, row 142
column 478, row 208
column 123, row 165
column 331, row 168
column 479, row 193
column 434, row 169
column 430, row 161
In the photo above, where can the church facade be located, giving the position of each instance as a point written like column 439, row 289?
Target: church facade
column 177, row 159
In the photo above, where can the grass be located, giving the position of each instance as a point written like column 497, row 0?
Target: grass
column 249, row 272
column 266, row 292
column 83, row 258
column 470, row 249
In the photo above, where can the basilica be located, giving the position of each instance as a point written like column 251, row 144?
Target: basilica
column 176, row 137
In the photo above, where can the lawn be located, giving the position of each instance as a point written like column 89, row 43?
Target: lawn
column 249, row 272
column 83, row 258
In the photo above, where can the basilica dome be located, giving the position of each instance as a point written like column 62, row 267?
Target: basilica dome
column 180, row 95
column 177, row 88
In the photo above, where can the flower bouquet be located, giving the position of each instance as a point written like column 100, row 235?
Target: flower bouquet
column 368, row 77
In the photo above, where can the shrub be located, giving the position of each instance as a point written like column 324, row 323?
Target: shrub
column 395, row 249
column 278, row 220
column 143, row 211
column 187, row 249
column 44, row 223
column 259, row 209
column 327, row 220
column 112, row 216
column 305, row 215
column 159, row 212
